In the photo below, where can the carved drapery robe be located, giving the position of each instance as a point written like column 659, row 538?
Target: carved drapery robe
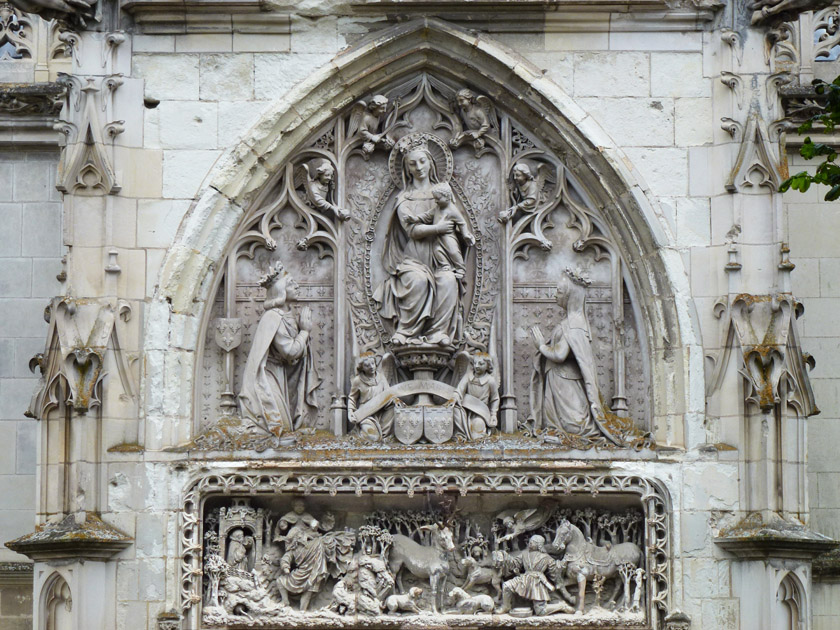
column 364, row 388
column 421, row 299
column 279, row 382
column 564, row 388
column 471, row 425
column 306, row 563
column 532, row 583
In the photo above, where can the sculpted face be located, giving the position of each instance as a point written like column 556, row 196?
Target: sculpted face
column 463, row 101
column 298, row 507
column 292, row 290
column 419, row 164
column 519, row 177
column 480, row 365
column 368, row 366
column 326, row 173
column 377, row 108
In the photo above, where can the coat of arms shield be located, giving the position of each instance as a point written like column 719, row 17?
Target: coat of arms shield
column 408, row 423
column 438, row 424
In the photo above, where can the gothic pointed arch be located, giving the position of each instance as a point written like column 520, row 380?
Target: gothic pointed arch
column 609, row 228
column 56, row 604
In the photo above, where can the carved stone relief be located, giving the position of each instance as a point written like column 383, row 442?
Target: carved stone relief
column 426, row 231
column 460, row 549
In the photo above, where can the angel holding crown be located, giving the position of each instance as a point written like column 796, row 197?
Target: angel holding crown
column 528, row 190
column 365, row 121
column 279, row 381
column 318, row 181
column 478, row 115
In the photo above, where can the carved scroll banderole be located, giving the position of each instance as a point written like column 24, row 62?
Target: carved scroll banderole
column 412, row 388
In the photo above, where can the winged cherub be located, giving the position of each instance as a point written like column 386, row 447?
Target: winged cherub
column 528, row 190
column 478, row 116
column 319, row 184
column 365, row 121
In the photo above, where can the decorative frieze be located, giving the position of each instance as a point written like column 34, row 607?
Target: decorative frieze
column 291, row 547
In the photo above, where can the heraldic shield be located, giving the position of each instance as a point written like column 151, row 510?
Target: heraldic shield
column 408, row 423
column 438, row 425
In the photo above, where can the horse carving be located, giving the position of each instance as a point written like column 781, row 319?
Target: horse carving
column 426, row 563
column 584, row 560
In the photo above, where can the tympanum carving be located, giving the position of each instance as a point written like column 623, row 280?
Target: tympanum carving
column 426, row 229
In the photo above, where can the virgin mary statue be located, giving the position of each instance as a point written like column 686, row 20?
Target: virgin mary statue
column 421, row 295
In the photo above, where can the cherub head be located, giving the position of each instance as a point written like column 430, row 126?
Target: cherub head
column 442, row 195
column 522, row 173
column 377, row 105
column 465, row 98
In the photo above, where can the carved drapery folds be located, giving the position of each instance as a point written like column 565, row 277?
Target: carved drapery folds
column 338, row 548
column 428, row 229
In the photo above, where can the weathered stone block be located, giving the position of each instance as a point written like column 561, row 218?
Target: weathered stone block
column 634, row 122
column 664, row 170
column 10, row 229
column 26, row 447
column 678, row 74
column 187, row 125
column 158, row 221
column 276, row 74
column 41, row 229
column 612, row 74
column 169, row 76
column 183, row 172
column 226, row 77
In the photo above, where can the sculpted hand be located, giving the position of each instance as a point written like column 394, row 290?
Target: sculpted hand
column 537, row 336
column 305, row 319
column 446, row 227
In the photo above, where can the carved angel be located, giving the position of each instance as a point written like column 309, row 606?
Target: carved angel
column 370, row 380
column 478, row 115
column 365, row 121
column 318, row 180
column 478, row 381
column 528, row 190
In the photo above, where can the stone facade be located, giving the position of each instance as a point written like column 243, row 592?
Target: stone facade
column 387, row 314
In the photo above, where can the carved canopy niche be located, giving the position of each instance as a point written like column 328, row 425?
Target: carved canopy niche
column 427, row 229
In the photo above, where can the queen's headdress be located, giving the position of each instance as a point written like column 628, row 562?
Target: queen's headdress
column 410, row 143
column 578, row 277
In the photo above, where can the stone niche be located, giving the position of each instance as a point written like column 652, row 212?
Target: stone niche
column 457, row 549
column 423, row 271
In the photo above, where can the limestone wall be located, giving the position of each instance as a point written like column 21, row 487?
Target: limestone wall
column 31, row 249
column 652, row 96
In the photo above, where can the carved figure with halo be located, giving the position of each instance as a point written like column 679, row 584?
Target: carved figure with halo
column 421, row 295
